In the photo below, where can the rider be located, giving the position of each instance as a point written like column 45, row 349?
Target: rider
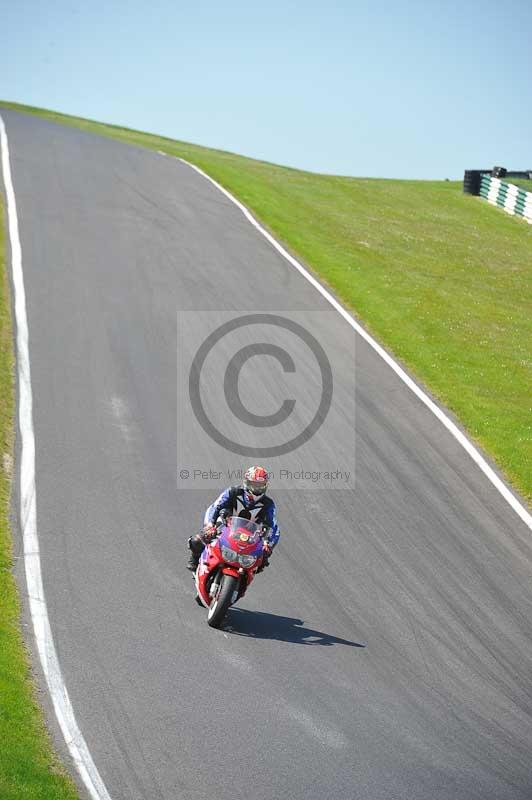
column 249, row 501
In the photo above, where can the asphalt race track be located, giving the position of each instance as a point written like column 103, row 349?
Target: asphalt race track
column 423, row 561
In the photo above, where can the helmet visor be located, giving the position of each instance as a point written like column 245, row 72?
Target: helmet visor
column 255, row 487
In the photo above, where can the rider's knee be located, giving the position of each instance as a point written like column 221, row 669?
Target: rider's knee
column 196, row 544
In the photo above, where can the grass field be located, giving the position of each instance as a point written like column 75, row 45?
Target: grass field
column 28, row 768
column 522, row 182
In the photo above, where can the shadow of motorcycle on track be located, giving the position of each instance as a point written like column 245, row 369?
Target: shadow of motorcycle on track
column 261, row 625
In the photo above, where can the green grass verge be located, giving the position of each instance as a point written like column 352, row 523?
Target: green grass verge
column 522, row 182
column 441, row 278
column 28, row 768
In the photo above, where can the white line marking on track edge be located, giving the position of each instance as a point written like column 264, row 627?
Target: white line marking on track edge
column 479, row 460
column 28, row 513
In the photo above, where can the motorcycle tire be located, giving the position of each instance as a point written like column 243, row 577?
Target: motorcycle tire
column 222, row 601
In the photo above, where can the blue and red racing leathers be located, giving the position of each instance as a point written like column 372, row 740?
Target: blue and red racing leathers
column 235, row 502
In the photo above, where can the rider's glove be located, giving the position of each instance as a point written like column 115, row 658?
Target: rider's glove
column 222, row 520
column 209, row 532
column 266, row 553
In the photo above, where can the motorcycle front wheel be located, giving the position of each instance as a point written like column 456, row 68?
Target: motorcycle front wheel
column 222, row 600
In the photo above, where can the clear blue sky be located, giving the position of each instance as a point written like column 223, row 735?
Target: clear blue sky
column 418, row 89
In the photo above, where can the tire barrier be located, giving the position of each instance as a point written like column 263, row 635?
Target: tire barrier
column 472, row 181
column 512, row 199
column 499, row 172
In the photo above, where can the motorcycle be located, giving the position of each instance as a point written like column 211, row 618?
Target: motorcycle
column 228, row 565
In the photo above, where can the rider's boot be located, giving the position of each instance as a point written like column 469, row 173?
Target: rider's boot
column 265, row 563
column 193, row 561
column 196, row 546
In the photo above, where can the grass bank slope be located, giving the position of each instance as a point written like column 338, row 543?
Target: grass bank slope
column 441, row 279
column 524, row 183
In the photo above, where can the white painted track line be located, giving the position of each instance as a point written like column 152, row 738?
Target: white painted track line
column 28, row 511
column 453, row 429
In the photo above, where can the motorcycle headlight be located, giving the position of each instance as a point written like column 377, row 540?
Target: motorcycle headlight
column 228, row 554
column 247, row 561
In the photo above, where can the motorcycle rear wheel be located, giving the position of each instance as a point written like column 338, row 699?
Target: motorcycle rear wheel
column 222, row 601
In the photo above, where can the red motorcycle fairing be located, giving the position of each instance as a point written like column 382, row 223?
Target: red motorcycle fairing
column 234, row 571
column 211, row 562
column 210, row 559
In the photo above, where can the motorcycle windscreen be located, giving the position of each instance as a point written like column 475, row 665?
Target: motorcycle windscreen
column 244, row 530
